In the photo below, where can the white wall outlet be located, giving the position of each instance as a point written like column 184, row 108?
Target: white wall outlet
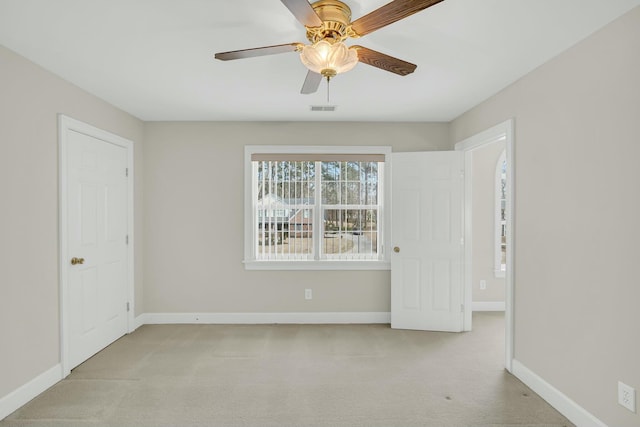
column 627, row 396
column 308, row 294
column 483, row 285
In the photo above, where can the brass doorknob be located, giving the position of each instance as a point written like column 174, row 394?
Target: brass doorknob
column 396, row 249
column 75, row 261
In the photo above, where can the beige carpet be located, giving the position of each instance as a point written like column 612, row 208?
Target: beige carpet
column 294, row 375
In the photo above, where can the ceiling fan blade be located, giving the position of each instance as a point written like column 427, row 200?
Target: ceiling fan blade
column 311, row 83
column 388, row 14
column 258, row 51
column 303, row 12
column 384, row 62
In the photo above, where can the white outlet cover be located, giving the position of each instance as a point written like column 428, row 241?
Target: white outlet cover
column 627, row 396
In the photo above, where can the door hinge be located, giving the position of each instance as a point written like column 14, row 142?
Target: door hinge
column 128, row 306
column 461, row 308
column 126, row 239
column 126, row 172
column 462, row 241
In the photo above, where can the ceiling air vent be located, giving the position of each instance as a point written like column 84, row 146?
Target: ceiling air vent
column 323, row 108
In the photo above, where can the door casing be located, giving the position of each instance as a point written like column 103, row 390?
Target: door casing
column 66, row 124
column 501, row 132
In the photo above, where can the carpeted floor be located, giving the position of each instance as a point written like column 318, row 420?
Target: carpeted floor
column 294, row 375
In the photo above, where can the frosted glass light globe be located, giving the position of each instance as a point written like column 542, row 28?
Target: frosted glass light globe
column 329, row 59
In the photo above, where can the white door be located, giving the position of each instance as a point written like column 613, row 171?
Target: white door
column 96, row 256
column 427, row 257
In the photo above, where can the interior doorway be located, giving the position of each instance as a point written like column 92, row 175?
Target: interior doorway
column 491, row 142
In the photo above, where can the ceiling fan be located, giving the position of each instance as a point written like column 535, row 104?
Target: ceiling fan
column 328, row 24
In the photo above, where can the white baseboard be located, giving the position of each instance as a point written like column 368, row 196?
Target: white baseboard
column 139, row 321
column 488, row 306
column 561, row 402
column 267, row 318
column 22, row 395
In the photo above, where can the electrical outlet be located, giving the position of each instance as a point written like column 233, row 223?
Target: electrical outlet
column 627, row 396
column 308, row 294
column 483, row 285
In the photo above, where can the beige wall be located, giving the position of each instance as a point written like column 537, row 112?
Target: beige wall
column 577, row 122
column 30, row 99
column 194, row 226
column 484, row 161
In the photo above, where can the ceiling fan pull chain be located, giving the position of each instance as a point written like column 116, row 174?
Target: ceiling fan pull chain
column 328, row 93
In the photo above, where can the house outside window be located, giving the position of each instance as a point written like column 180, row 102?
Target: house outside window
column 315, row 207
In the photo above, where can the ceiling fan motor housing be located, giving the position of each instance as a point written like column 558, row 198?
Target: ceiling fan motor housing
column 336, row 22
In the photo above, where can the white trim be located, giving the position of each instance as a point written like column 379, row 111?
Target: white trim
column 495, row 134
column 511, row 244
column 561, row 402
column 22, row 395
column 268, row 318
column 501, row 132
column 317, row 265
column 497, row 219
column 140, row 321
column 488, row 306
column 468, row 240
column 66, row 124
column 131, row 236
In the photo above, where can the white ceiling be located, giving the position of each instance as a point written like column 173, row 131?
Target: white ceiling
column 154, row 58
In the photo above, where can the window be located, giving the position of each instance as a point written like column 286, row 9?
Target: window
column 500, row 257
column 315, row 207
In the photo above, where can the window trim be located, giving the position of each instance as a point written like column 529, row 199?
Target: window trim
column 323, row 264
column 498, row 223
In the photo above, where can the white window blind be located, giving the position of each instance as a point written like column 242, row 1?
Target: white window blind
column 284, row 209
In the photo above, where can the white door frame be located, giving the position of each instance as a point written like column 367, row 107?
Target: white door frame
column 66, row 124
column 501, row 132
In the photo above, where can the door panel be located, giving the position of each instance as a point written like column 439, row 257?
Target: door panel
column 411, row 279
column 88, row 215
column 426, row 265
column 89, row 290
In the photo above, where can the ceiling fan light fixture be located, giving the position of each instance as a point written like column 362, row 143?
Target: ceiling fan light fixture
column 328, row 24
column 329, row 59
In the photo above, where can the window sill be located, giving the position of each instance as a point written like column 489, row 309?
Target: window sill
column 317, row 265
